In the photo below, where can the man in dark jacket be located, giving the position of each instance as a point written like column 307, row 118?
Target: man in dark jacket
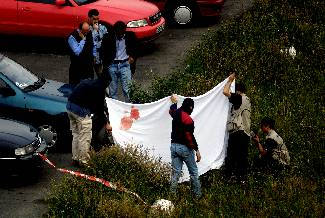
column 87, row 99
column 118, row 53
column 183, row 144
column 82, row 54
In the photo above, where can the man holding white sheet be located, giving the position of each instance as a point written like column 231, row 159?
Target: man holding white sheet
column 183, row 144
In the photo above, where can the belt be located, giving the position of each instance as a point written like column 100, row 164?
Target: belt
column 120, row 61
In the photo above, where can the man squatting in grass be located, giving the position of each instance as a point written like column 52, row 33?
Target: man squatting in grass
column 183, row 144
column 274, row 153
column 238, row 126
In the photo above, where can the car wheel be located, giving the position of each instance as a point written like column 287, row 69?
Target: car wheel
column 182, row 13
column 49, row 134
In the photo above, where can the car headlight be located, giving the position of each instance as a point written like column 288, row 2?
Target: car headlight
column 29, row 148
column 137, row 23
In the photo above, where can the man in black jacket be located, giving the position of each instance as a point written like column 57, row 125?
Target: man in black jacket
column 118, row 52
column 87, row 99
column 82, row 54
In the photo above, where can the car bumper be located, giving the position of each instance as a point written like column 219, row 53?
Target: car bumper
column 208, row 8
column 149, row 32
column 25, row 163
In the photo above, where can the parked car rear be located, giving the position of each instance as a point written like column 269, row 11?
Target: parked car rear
column 58, row 18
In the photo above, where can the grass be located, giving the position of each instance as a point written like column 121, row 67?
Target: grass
column 291, row 90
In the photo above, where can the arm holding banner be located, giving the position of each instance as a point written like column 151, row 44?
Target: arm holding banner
column 226, row 88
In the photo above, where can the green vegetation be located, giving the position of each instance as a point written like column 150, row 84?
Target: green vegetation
column 291, row 90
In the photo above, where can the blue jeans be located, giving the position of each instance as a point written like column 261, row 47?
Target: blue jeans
column 120, row 71
column 181, row 153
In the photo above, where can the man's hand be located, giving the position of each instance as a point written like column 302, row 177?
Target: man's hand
column 108, row 127
column 232, row 77
column 198, row 156
column 131, row 60
column 256, row 139
column 81, row 35
column 173, row 98
column 95, row 26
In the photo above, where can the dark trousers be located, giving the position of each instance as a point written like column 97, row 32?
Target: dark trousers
column 236, row 162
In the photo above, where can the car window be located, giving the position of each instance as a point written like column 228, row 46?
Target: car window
column 16, row 73
column 40, row 1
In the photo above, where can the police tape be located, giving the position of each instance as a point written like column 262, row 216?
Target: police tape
column 91, row 178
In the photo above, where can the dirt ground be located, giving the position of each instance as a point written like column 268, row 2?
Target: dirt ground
column 26, row 196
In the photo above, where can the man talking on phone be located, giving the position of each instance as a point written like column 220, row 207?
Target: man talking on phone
column 98, row 31
column 82, row 53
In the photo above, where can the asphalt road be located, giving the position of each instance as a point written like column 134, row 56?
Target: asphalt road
column 25, row 196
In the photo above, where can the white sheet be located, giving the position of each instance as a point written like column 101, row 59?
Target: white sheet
column 152, row 129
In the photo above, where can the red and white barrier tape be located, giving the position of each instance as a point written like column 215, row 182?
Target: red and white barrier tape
column 90, row 178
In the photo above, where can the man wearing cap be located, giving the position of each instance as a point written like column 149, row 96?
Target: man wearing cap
column 184, row 145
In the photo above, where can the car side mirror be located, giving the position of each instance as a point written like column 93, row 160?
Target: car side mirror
column 60, row 2
column 6, row 91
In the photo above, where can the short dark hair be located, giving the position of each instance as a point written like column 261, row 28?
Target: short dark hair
column 119, row 25
column 266, row 121
column 93, row 12
column 240, row 87
column 236, row 100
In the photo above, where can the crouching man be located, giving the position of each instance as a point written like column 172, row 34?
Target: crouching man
column 273, row 153
column 87, row 98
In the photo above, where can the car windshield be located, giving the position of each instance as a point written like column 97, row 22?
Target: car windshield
column 84, row 2
column 17, row 73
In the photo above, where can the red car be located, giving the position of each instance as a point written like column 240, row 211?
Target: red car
column 58, row 18
column 183, row 12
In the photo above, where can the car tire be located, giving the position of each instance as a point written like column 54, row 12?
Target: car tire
column 181, row 13
column 49, row 134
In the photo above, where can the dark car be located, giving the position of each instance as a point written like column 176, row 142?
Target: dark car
column 39, row 102
column 33, row 100
column 19, row 144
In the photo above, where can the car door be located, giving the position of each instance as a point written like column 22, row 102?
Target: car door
column 8, row 16
column 12, row 101
column 45, row 18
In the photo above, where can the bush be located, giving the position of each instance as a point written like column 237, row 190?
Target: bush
column 129, row 167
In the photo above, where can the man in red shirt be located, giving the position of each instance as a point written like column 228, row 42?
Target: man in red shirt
column 183, row 144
